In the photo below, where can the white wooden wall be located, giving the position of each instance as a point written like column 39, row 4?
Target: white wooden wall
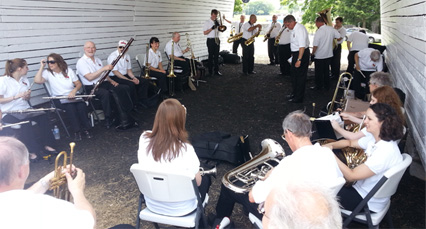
column 32, row 29
column 404, row 34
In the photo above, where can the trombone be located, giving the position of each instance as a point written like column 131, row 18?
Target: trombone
column 147, row 65
column 192, row 64
column 171, row 74
column 341, row 84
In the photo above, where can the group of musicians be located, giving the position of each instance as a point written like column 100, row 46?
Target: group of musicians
column 120, row 92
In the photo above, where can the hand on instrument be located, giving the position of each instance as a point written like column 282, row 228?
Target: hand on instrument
column 71, row 95
column 259, row 26
column 115, row 84
column 345, row 116
column 187, row 49
column 163, row 71
column 26, row 95
column 77, row 184
column 357, row 68
column 328, row 146
column 107, row 67
column 214, row 27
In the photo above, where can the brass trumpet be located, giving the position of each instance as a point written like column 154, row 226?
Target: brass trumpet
column 236, row 37
column 59, row 182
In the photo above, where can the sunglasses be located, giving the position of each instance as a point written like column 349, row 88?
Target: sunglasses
column 120, row 47
column 51, row 62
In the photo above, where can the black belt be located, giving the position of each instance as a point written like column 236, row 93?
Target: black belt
column 211, row 38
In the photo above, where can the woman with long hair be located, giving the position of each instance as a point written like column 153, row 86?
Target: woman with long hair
column 64, row 82
column 385, row 127
column 15, row 92
column 167, row 147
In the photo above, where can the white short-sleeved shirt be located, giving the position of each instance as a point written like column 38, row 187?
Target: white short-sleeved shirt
column 285, row 37
column 9, row 87
column 238, row 26
column 154, row 58
column 85, row 65
column 299, row 38
column 323, row 39
column 60, row 84
column 186, row 161
column 381, row 156
column 123, row 64
column 25, row 209
column 246, row 33
column 177, row 49
column 275, row 30
column 208, row 25
column 365, row 62
column 313, row 162
column 342, row 32
column 358, row 41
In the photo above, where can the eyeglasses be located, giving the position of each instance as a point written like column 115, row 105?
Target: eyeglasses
column 51, row 62
column 120, row 47
column 261, row 209
column 283, row 137
column 184, row 108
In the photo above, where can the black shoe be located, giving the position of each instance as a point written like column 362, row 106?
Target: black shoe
column 295, row 100
column 218, row 73
column 314, row 88
column 126, row 126
column 109, row 123
column 290, row 96
column 252, row 72
column 77, row 136
column 87, row 134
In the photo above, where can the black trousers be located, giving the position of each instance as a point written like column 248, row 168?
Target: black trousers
column 35, row 137
column 235, row 46
column 349, row 198
column 299, row 75
column 213, row 50
column 76, row 113
column 248, row 56
column 183, row 64
column 351, row 61
column 284, row 55
column 360, row 84
column 335, row 61
column 161, row 80
column 227, row 200
column 136, row 91
column 322, row 73
column 273, row 51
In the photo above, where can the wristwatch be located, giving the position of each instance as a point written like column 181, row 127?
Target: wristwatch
column 299, row 59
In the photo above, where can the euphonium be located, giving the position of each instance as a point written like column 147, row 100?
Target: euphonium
column 59, row 182
column 236, row 37
column 242, row 178
column 251, row 39
column 171, row 74
column 147, row 63
column 341, row 84
column 353, row 156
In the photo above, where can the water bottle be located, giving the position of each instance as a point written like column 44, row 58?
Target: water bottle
column 56, row 132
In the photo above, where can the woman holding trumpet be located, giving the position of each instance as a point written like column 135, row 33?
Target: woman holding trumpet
column 63, row 82
column 15, row 92
column 167, row 147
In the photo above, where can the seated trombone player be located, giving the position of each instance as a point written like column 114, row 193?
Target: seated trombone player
column 31, row 208
column 308, row 161
column 179, row 59
column 64, row 82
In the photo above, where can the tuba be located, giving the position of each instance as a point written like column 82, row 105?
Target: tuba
column 59, row 182
column 343, row 83
column 242, row 178
column 326, row 15
column 251, row 39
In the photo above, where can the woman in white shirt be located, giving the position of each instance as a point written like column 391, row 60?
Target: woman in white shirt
column 155, row 64
column 167, row 147
column 15, row 92
column 385, row 127
column 63, row 82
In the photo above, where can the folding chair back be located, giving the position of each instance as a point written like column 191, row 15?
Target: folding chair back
column 57, row 110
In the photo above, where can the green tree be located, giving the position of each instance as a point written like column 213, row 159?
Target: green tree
column 238, row 6
column 258, row 8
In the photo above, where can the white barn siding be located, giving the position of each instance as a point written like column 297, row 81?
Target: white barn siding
column 31, row 29
column 404, row 34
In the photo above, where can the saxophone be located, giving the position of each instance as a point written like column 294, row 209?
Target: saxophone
column 251, row 39
column 277, row 38
column 242, row 178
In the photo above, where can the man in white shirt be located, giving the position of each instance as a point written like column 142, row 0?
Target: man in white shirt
column 337, row 51
column 367, row 61
column 90, row 70
column 249, row 29
column 122, row 73
column 310, row 162
column 31, row 208
column 179, row 59
column 356, row 41
column 238, row 29
column 210, row 29
column 322, row 53
column 299, row 46
column 284, row 51
column 273, row 30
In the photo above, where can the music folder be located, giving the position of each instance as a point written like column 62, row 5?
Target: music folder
column 324, row 127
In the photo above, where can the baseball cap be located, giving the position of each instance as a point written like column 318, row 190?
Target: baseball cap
column 122, row 43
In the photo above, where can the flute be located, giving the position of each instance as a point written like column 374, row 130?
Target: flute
column 28, row 110
column 66, row 97
column 15, row 124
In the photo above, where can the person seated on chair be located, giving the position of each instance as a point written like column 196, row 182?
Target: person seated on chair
column 301, row 204
column 385, row 127
column 31, row 208
column 64, row 82
column 167, row 147
column 179, row 59
column 122, row 73
column 367, row 61
column 311, row 161
column 155, row 65
column 15, row 93
column 90, row 68
column 384, row 94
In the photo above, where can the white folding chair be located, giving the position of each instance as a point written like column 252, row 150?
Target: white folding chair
column 167, row 187
column 386, row 187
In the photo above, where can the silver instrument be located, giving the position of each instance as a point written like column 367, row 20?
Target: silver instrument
column 341, row 85
column 28, row 110
column 66, row 97
column 212, row 171
column 242, row 178
column 15, row 124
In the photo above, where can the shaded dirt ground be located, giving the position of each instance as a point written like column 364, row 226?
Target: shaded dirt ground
column 253, row 105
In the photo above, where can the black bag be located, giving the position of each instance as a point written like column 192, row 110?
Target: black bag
column 230, row 58
column 222, row 146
